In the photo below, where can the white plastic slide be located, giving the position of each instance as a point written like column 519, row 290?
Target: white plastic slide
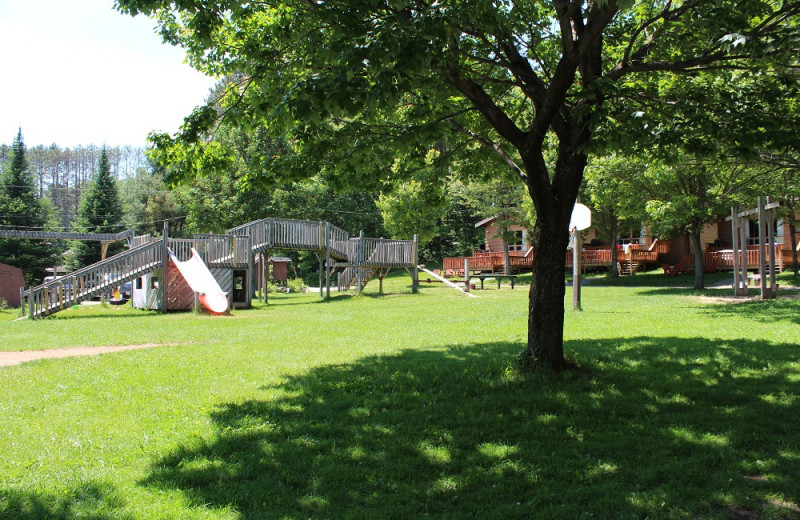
column 200, row 279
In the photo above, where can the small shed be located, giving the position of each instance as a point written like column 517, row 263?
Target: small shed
column 280, row 268
column 11, row 281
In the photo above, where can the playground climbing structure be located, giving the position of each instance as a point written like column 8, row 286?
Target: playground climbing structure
column 147, row 263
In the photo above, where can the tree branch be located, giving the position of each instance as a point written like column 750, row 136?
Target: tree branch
column 494, row 146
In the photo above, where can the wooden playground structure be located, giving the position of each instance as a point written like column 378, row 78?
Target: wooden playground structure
column 232, row 258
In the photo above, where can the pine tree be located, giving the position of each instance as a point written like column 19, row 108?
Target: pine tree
column 21, row 208
column 100, row 212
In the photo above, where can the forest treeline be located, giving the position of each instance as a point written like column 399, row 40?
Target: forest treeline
column 63, row 174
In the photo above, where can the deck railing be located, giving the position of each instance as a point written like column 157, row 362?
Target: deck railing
column 723, row 259
column 380, row 252
column 96, row 279
column 303, row 235
column 591, row 257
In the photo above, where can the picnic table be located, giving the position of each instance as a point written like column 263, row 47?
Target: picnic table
column 498, row 277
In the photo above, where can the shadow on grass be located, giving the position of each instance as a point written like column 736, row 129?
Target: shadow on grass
column 103, row 313
column 92, row 502
column 778, row 310
column 658, row 428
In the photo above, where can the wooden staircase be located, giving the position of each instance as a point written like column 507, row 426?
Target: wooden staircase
column 350, row 276
column 628, row 267
column 94, row 280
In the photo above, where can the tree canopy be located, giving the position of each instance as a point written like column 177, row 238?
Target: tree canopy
column 352, row 85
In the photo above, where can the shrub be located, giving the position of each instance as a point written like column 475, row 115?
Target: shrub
column 296, row 285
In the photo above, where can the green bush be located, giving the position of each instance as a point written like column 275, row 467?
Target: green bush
column 296, row 285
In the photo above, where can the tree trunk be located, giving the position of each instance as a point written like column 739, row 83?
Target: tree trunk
column 699, row 282
column 546, row 298
column 506, row 257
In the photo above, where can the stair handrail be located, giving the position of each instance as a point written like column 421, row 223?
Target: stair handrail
column 87, row 286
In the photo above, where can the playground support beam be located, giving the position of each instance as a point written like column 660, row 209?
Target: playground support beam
column 762, row 248
column 327, row 262
column 415, row 253
column 576, row 270
column 164, row 265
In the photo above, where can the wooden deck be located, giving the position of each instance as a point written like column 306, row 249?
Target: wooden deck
column 722, row 260
column 634, row 257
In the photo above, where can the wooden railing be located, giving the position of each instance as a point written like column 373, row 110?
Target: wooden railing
column 97, row 279
column 492, row 261
column 302, row 235
column 380, row 252
column 723, row 259
column 591, row 257
column 59, row 235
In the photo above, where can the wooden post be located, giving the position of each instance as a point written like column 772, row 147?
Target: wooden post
column 266, row 276
column 327, row 261
column 762, row 251
column 773, row 288
column 30, row 303
column 164, row 265
column 576, row 270
column 360, row 254
column 263, row 263
column 466, row 274
column 22, row 302
column 737, row 281
column 321, row 259
column 251, row 271
column 415, row 256
column 103, row 250
column 743, row 247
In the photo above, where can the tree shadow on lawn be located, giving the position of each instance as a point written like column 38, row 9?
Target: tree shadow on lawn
column 95, row 501
column 784, row 308
column 663, row 428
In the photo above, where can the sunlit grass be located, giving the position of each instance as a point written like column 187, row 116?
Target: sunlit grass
column 408, row 406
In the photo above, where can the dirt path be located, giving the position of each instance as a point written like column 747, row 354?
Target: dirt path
column 8, row 359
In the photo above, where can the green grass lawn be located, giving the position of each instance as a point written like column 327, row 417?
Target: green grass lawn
column 408, row 406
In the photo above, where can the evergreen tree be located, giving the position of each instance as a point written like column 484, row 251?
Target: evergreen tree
column 100, row 212
column 22, row 209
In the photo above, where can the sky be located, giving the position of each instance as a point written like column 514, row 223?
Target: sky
column 78, row 72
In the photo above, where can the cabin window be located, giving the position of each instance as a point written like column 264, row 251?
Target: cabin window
column 140, row 282
column 519, row 241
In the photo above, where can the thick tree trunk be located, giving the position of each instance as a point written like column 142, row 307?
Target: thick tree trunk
column 699, row 282
column 546, row 298
column 550, row 240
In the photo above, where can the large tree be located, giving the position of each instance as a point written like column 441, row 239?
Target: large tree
column 21, row 208
column 355, row 83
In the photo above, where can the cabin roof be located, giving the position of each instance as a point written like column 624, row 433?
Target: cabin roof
column 485, row 221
